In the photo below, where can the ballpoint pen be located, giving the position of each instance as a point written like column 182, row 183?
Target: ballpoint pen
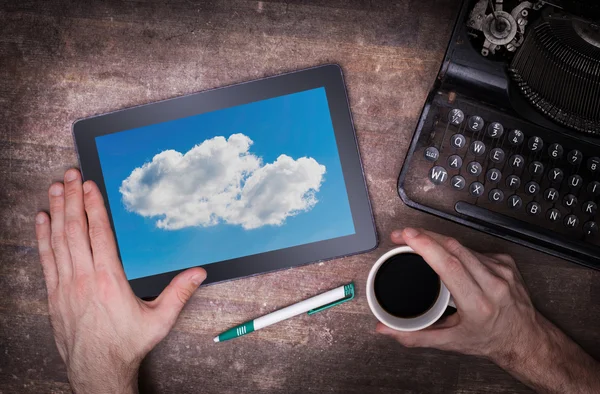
column 312, row 305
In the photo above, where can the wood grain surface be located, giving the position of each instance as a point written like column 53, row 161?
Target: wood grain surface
column 63, row 60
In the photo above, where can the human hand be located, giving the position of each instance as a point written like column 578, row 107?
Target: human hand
column 495, row 316
column 102, row 330
column 496, row 319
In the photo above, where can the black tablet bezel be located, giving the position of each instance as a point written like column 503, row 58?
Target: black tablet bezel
column 86, row 130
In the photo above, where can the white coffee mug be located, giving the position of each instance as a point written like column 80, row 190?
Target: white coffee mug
column 420, row 322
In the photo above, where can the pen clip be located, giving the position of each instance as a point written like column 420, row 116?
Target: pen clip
column 348, row 293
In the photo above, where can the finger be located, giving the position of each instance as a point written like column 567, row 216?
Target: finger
column 449, row 267
column 474, row 263
column 396, row 237
column 58, row 239
column 438, row 338
column 171, row 301
column 42, row 232
column 104, row 247
column 76, row 227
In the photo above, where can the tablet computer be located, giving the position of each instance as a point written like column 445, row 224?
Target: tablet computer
column 240, row 180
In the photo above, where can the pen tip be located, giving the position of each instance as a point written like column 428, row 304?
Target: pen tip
column 216, row 339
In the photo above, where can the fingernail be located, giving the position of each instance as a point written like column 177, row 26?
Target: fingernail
column 56, row 190
column 40, row 218
column 410, row 232
column 87, row 187
column 197, row 279
column 396, row 234
column 70, row 175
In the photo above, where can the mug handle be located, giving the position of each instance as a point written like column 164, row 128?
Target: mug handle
column 451, row 308
column 451, row 302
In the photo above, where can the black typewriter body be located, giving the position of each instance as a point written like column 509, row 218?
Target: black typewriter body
column 509, row 138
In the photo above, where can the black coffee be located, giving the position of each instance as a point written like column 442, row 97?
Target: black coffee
column 406, row 286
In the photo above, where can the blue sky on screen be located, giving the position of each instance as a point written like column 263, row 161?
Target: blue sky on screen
column 225, row 184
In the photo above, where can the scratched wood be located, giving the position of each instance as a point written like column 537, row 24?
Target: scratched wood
column 63, row 60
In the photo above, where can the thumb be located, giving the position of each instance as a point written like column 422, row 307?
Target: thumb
column 439, row 338
column 170, row 302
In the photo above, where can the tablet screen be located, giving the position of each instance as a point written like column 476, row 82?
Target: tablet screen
column 225, row 184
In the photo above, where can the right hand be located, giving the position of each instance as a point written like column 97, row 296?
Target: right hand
column 495, row 316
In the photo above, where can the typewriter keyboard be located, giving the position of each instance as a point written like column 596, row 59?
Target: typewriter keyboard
column 500, row 174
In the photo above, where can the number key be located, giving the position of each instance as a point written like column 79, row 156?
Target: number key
column 516, row 137
column 593, row 164
column 535, row 144
column 495, row 130
column 555, row 151
column 574, row 157
column 456, row 116
column 475, row 123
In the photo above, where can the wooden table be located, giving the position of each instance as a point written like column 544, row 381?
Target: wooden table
column 63, row 60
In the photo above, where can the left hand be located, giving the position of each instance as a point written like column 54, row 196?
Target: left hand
column 102, row 330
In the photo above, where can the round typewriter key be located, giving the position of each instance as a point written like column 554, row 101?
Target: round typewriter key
column 570, row 201
column 476, row 189
column 516, row 137
column 475, row 123
column 438, row 175
column 574, row 157
column 553, row 215
column 593, row 164
column 590, row 229
column 516, row 161
column 514, row 202
column 536, row 168
column 594, row 188
column 458, row 141
column 432, row 154
column 534, row 208
column 477, row 148
column 551, row 195
column 589, row 208
column 455, row 161
column 535, row 144
column 495, row 130
column 556, row 175
column 496, row 195
column 493, row 175
column 513, row 182
column 575, row 181
column 458, row 182
column 532, row 188
column 572, row 221
column 474, row 168
column 497, row 155
column 556, row 151
column 456, row 116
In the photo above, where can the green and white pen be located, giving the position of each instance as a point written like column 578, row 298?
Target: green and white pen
column 312, row 305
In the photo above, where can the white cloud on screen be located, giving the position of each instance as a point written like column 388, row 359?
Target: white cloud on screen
column 219, row 181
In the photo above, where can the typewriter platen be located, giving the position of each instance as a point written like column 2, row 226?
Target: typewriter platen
column 509, row 139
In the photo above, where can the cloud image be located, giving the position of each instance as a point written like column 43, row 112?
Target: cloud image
column 220, row 181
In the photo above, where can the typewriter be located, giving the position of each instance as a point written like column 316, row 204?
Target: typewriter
column 509, row 138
